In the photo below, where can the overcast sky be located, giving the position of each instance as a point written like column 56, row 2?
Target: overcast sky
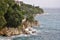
column 44, row 3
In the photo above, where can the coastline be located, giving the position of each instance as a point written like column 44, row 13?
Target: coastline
column 45, row 13
column 25, row 31
column 8, row 32
column 20, row 35
column 17, row 19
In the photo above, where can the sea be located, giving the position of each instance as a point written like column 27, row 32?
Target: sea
column 49, row 28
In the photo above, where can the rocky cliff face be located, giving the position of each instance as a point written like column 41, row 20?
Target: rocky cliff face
column 9, row 31
column 26, row 29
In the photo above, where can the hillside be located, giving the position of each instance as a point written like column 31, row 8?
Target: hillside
column 14, row 18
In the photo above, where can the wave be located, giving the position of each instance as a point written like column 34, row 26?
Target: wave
column 5, row 38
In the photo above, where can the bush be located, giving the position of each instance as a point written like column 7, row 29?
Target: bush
column 2, row 21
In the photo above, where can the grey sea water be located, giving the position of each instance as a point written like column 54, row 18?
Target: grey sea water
column 49, row 27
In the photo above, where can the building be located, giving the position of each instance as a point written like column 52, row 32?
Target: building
column 18, row 1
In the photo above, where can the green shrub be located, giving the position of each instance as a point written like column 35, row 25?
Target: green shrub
column 2, row 21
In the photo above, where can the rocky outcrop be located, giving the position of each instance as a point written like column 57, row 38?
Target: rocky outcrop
column 10, row 31
column 26, row 29
column 14, row 31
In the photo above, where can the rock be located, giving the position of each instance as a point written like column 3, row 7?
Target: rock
column 1, row 32
column 33, row 31
column 10, row 31
column 15, row 31
column 26, row 32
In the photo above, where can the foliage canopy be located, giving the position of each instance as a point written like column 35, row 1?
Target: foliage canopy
column 12, row 14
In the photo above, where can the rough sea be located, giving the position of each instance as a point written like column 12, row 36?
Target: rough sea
column 49, row 28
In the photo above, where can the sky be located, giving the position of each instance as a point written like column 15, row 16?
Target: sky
column 44, row 3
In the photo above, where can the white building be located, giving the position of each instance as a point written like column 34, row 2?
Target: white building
column 18, row 1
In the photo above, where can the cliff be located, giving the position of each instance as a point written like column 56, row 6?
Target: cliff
column 14, row 18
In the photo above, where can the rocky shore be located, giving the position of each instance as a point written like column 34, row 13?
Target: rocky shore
column 26, row 29
column 15, row 31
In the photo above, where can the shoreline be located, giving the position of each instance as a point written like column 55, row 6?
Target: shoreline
column 21, row 35
column 42, row 14
column 28, row 31
column 17, row 18
column 10, row 32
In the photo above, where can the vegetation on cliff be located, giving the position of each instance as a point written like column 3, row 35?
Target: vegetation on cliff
column 12, row 14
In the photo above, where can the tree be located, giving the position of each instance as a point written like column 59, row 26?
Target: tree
column 12, row 14
column 2, row 21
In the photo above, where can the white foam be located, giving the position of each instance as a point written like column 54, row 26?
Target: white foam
column 5, row 38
